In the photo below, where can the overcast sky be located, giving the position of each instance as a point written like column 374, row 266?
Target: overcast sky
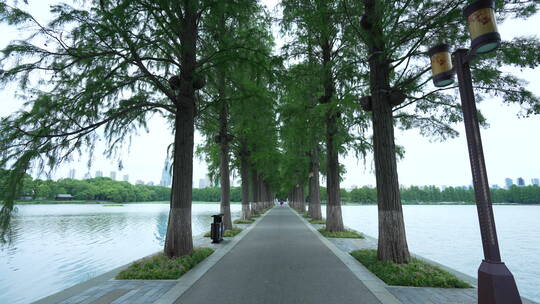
column 511, row 145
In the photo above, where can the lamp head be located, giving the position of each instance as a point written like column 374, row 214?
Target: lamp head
column 441, row 65
column 482, row 26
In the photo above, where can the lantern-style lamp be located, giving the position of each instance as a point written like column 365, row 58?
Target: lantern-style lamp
column 482, row 26
column 441, row 65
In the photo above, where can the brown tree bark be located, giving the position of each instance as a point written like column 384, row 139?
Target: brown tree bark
column 314, row 186
column 392, row 244
column 254, row 192
column 179, row 239
column 334, row 220
column 224, row 172
column 244, row 175
column 301, row 199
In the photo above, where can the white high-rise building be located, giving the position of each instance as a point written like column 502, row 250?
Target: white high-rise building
column 139, row 182
column 113, row 175
column 99, row 173
column 508, row 182
column 71, row 174
column 204, row 182
column 126, row 178
column 166, row 176
column 535, row 181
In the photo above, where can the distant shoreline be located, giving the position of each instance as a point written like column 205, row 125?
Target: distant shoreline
column 82, row 202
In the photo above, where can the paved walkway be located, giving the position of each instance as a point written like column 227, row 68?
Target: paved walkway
column 279, row 261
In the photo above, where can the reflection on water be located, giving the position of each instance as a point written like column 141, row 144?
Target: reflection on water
column 56, row 246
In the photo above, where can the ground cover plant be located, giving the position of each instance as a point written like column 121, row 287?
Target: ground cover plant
column 347, row 233
column 160, row 267
column 416, row 273
column 228, row 233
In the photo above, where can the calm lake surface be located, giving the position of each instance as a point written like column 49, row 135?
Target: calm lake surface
column 450, row 235
column 57, row 246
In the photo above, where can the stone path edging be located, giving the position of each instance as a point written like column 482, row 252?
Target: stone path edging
column 192, row 276
column 372, row 282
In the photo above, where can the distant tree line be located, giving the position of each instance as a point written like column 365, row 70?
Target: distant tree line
column 106, row 189
column 432, row 194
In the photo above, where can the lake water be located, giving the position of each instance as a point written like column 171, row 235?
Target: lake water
column 57, row 246
column 450, row 235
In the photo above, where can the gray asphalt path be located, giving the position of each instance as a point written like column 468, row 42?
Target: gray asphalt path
column 279, row 261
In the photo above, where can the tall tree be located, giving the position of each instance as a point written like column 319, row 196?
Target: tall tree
column 110, row 66
column 397, row 34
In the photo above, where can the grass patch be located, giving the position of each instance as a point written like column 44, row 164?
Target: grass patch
column 318, row 222
column 240, row 221
column 232, row 232
column 113, row 205
column 416, row 273
column 160, row 267
column 349, row 234
column 256, row 216
column 228, row 233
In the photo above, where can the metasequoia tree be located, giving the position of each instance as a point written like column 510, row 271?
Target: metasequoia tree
column 108, row 67
column 236, row 37
column 320, row 33
column 237, row 93
column 397, row 35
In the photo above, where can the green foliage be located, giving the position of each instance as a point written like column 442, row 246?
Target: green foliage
column 240, row 221
column 160, row 267
column 349, row 234
column 416, row 273
column 318, row 222
column 228, row 233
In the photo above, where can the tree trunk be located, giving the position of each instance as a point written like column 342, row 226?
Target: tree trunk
column 392, row 244
column 254, row 191
column 334, row 220
column 224, row 157
column 314, row 187
column 244, row 174
column 301, row 199
column 179, row 239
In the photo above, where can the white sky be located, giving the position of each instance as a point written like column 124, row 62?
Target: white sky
column 511, row 145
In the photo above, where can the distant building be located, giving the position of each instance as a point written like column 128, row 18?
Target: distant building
column 87, row 175
column 520, row 182
column 150, row 183
column 166, row 176
column 126, row 178
column 204, row 182
column 443, row 187
column 139, row 182
column 508, row 182
column 495, row 186
column 113, row 175
column 99, row 173
column 63, row 197
column 535, row 181
column 71, row 174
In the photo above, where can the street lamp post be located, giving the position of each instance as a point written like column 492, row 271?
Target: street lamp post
column 496, row 284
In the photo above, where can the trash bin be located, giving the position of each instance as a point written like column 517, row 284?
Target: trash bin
column 217, row 228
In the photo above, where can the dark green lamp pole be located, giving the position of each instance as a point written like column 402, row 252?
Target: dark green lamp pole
column 496, row 284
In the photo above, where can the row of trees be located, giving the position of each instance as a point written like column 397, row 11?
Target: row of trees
column 432, row 194
column 106, row 189
column 278, row 118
